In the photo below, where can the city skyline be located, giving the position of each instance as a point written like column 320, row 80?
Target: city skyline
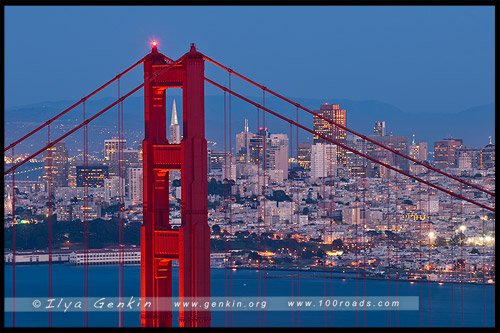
column 185, row 186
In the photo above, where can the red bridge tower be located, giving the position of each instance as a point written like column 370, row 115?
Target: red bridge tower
column 160, row 244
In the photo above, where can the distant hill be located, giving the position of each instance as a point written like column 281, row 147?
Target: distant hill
column 473, row 125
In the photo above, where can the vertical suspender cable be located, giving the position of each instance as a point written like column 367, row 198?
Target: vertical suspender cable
column 331, row 237
column 49, row 183
column 397, row 237
column 483, row 217
column 85, row 220
column 453, row 259
column 259, row 196
column 364, row 235
column 264, row 245
column 225, row 206
column 388, row 176
column 263, row 206
column 324, row 230
column 291, row 221
column 120, row 205
column 259, row 188
column 357, row 217
column 429, row 243
column 420, row 250
column 13, row 243
column 230, row 198
column 462, row 266
column 298, row 219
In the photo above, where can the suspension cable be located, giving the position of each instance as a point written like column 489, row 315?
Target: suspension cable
column 14, row 167
column 347, row 129
column 48, row 122
column 346, row 147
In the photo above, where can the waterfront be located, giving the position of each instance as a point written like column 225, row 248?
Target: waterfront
column 477, row 302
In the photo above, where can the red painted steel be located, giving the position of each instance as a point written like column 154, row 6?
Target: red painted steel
column 121, row 99
column 160, row 244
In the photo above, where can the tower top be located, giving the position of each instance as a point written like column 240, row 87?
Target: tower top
column 154, row 46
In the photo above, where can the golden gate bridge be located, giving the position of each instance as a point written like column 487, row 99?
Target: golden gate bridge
column 190, row 244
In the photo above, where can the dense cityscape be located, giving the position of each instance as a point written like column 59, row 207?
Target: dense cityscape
column 277, row 204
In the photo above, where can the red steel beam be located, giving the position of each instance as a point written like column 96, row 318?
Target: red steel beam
column 121, row 99
column 346, row 147
column 347, row 129
column 48, row 122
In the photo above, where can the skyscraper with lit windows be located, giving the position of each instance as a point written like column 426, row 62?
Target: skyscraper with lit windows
column 56, row 165
column 444, row 152
column 334, row 113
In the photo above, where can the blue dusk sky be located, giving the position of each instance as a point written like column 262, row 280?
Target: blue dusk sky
column 418, row 58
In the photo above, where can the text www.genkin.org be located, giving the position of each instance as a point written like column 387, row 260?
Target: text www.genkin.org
column 267, row 303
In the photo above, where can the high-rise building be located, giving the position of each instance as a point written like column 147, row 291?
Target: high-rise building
column 395, row 142
column 217, row 159
column 229, row 168
column 304, row 158
column 55, row 163
column 444, row 153
column 278, row 159
column 243, row 144
column 419, row 153
column 464, row 161
column 114, row 188
column 422, row 151
column 130, row 158
column 174, row 129
column 112, row 145
column 334, row 113
column 379, row 128
column 134, row 176
column 488, row 156
column 94, row 177
column 414, row 149
column 355, row 162
column 257, row 144
column 278, row 153
column 323, row 160
column 468, row 152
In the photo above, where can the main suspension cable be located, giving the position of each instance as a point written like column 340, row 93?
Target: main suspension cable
column 14, row 167
column 347, row 129
column 348, row 148
column 48, row 122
